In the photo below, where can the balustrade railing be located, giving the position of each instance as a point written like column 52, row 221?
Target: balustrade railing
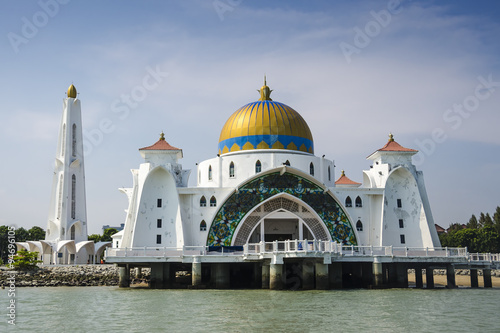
column 299, row 247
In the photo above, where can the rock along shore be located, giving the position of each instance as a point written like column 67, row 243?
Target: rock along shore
column 80, row 275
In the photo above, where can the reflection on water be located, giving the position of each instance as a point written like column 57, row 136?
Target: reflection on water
column 87, row 309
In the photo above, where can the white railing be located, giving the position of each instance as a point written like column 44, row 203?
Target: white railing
column 299, row 247
column 490, row 257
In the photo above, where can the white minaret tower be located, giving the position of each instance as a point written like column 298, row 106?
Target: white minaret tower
column 68, row 212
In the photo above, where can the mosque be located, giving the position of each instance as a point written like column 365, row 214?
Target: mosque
column 266, row 184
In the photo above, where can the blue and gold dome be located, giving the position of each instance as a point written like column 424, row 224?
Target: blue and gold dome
column 265, row 124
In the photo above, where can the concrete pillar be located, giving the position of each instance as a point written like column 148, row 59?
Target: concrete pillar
column 138, row 272
column 487, row 278
column 322, row 279
column 276, row 276
column 450, row 276
column 335, row 275
column 196, row 272
column 402, row 275
column 419, row 282
column 222, row 277
column 307, row 275
column 160, row 275
column 429, row 277
column 265, row 275
column 378, row 273
column 124, row 276
column 474, row 282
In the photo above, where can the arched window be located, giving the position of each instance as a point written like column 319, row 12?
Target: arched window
column 359, row 226
column 73, row 196
column 72, row 231
column 258, row 167
column 63, row 140
column 73, row 145
column 287, row 163
column 213, row 202
column 329, row 174
column 359, row 203
column 59, row 204
column 203, row 226
column 231, row 170
column 203, row 202
column 311, row 169
column 209, row 172
column 348, row 202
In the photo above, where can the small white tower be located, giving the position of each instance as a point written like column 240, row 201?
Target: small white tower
column 68, row 212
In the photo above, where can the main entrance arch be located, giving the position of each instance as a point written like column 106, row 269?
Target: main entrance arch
column 250, row 195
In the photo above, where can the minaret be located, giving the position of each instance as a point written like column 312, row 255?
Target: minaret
column 68, row 212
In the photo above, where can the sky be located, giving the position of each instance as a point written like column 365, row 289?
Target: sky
column 426, row 71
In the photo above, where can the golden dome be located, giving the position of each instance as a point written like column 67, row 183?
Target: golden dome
column 72, row 91
column 265, row 124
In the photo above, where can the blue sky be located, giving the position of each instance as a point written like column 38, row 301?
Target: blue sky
column 427, row 71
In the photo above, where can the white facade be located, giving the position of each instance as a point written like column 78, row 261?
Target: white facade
column 272, row 190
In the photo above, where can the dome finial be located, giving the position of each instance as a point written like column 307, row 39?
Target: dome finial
column 391, row 137
column 162, row 136
column 343, row 174
column 71, row 91
column 265, row 92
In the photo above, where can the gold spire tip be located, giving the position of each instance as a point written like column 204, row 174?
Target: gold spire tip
column 71, row 91
column 343, row 174
column 162, row 136
column 391, row 137
column 265, row 92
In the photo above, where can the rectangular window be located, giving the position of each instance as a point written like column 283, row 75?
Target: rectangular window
column 402, row 237
column 158, row 239
column 399, row 203
column 158, row 203
column 158, row 223
column 401, row 223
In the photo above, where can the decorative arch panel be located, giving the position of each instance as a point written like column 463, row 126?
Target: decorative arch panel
column 242, row 201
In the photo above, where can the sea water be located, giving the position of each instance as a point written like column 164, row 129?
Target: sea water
column 110, row 309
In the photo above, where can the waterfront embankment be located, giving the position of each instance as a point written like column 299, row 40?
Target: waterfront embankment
column 107, row 275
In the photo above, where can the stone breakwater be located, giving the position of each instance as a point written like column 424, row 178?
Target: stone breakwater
column 81, row 275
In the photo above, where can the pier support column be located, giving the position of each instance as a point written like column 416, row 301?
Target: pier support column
column 450, row 277
column 429, row 278
column 402, row 275
column 378, row 273
column 276, row 276
column 160, row 276
column 124, row 276
column 487, row 278
column 138, row 272
column 474, row 283
column 222, row 278
column 307, row 275
column 419, row 282
column 322, row 280
column 196, row 272
column 335, row 275
column 265, row 275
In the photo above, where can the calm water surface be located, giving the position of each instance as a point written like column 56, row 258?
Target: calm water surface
column 98, row 309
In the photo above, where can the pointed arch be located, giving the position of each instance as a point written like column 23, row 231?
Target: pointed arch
column 203, row 226
column 329, row 174
column 311, row 169
column 213, row 201
column 258, row 166
column 287, row 163
column 231, row 170
column 359, row 202
column 261, row 188
column 203, row 202
column 209, row 172
column 73, row 141
column 73, row 196
column 359, row 226
column 348, row 201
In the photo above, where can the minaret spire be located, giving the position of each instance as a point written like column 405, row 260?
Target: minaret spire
column 265, row 92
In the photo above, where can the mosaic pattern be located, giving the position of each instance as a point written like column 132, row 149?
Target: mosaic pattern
column 256, row 191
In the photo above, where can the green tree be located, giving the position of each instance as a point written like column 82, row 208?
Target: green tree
column 106, row 235
column 466, row 238
column 4, row 242
column 95, row 237
column 496, row 220
column 489, row 240
column 26, row 260
column 485, row 220
column 36, row 234
column 473, row 224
